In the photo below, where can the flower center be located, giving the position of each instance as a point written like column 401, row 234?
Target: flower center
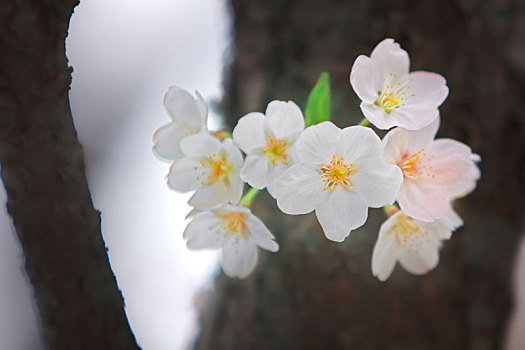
column 234, row 223
column 412, row 167
column 219, row 168
column 336, row 173
column 393, row 95
column 275, row 150
column 408, row 232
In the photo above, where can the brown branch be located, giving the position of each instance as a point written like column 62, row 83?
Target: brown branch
column 43, row 173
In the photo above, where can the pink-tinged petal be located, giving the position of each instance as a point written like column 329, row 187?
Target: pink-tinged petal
column 210, row 196
column 260, row 234
column 255, row 171
column 422, row 201
column 248, row 134
column 342, row 212
column 379, row 183
column 452, row 220
column 384, row 256
column 201, row 232
column 285, row 119
column 166, row 142
column 452, row 164
column 377, row 116
column 421, row 256
column 299, row 190
column 200, row 145
column 182, row 108
column 317, row 143
column 388, row 57
column 184, row 175
column 239, row 258
column 426, row 88
column 414, row 117
column 363, row 80
column 358, row 143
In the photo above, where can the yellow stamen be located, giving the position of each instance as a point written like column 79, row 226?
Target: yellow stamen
column 276, row 150
column 407, row 231
column 393, row 96
column 220, row 169
column 412, row 167
column 234, row 223
column 336, row 173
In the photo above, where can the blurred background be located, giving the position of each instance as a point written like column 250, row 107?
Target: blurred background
column 314, row 294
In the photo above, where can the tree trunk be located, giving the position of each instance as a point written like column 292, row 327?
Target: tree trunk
column 317, row 294
column 43, row 173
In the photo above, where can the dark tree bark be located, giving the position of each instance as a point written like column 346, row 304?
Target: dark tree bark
column 43, row 173
column 316, row 294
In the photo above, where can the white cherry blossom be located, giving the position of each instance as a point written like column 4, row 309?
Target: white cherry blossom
column 266, row 140
column 390, row 95
column 211, row 168
column 434, row 171
column 339, row 174
column 415, row 244
column 234, row 230
column 188, row 115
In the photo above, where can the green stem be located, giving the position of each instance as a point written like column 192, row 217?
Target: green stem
column 364, row 122
column 249, row 197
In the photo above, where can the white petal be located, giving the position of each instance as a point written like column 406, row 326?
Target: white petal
column 235, row 189
column 200, row 145
column 414, row 117
column 384, row 256
column 389, row 57
column 285, row 119
column 429, row 89
column 255, row 171
column 202, row 108
column 239, row 258
column 358, row 143
column 182, row 108
column 248, row 134
column 183, row 175
column 318, row 143
column 233, row 153
column 274, row 172
column 166, row 142
column 422, row 201
column 210, row 196
column 342, row 212
column 201, row 233
column 379, row 183
column 260, row 234
column 422, row 257
column 452, row 220
column 377, row 116
column 299, row 190
column 363, row 80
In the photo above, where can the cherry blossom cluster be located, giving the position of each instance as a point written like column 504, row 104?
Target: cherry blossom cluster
column 338, row 173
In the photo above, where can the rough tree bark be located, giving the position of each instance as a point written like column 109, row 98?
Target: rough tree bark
column 43, row 173
column 316, row 294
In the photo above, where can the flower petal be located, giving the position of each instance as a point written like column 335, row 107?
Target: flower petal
column 183, row 175
column 248, row 134
column 233, row 153
column 236, row 188
column 260, row 234
column 208, row 197
column 422, row 201
column 378, row 182
column 388, row 57
column 255, row 171
column 274, row 171
column 317, row 143
column 166, row 142
column 182, row 108
column 202, row 108
column 377, row 116
column 358, row 143
column 384, row 256
column 429, row 89
column 299, row 190
column 200, row 232
column 200, row 145
column 414, row 117
column 239, row 257
column 342, row 212
column 421, row 257
column 363, row 79
column 285, row 119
